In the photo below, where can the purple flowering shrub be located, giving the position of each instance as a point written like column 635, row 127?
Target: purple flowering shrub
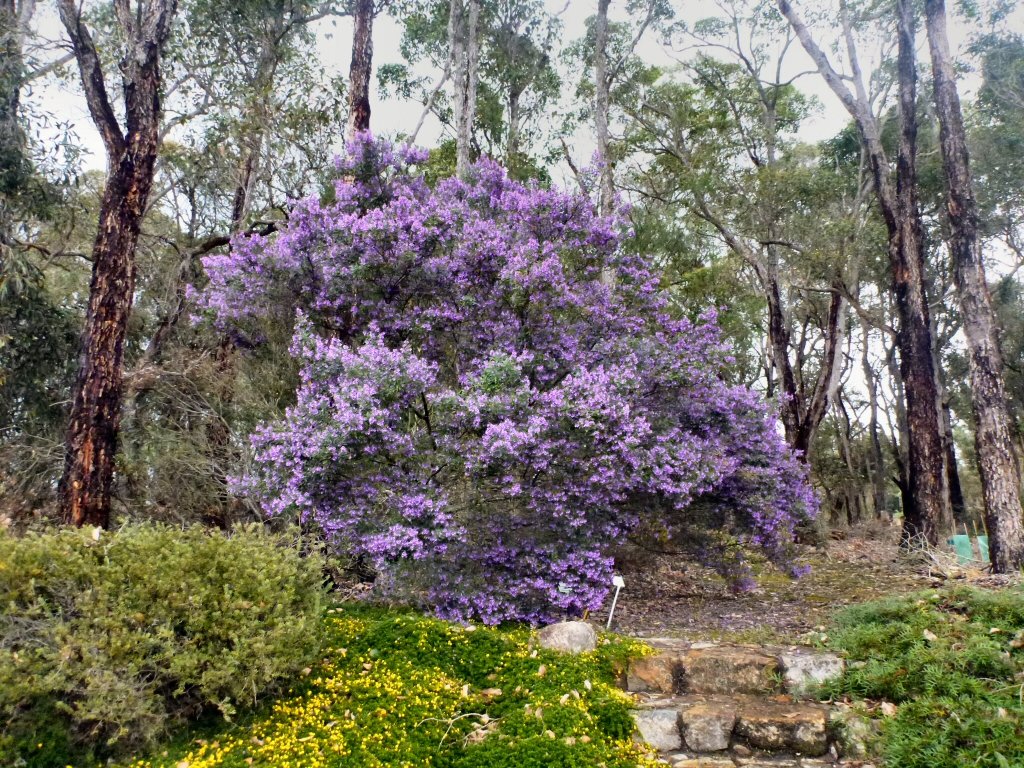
column 494, row 393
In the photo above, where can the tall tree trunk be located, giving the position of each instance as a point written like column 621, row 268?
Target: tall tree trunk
column 463, row 26
column 926, row 499
column 997, row 462
column 92, row 437
column 512, row 147
column 601, row 86
column 360, row 69
column 956, row 491
column 931, row 515
column 900, row 436
column 876, row 464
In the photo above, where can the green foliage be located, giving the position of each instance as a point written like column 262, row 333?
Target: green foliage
column 399, row 689
column 950, row 661
column 107, row 641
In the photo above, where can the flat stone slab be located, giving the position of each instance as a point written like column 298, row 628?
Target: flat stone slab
column 704, row 762
column 707, row 726
column 777, row 726
column 730, row 669
column 655, row 674
column 659, row 728
column 804, row 670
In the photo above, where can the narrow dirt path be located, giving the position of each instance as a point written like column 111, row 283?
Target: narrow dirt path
column 667, row 595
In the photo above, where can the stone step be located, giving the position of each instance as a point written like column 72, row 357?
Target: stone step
column 683, row 760
column 710, row 723
column 680, row 667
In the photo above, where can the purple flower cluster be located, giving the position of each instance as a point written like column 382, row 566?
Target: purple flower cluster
column 494, row 393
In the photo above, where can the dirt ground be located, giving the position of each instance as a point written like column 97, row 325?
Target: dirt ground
column 667, row 596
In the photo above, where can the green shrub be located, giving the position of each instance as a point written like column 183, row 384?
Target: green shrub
column 401, row 690
column 953, row 662
column 108, row 641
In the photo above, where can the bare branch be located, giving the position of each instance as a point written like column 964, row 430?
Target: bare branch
column 84, row 51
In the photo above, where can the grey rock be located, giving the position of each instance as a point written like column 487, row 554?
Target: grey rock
column 568, row 637
column 805, row 670
column 708, row 727
column 659, row 728
column 854, row 731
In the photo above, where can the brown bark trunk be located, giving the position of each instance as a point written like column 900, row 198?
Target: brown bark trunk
column 92, row 437
column 930, row 515
column 926, row 497
column 360, row 68
column 997, row 462
column 956, row 492
column 96, row 407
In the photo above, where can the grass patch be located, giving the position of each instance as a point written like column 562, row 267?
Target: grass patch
column 953, row 662
column 399, row 689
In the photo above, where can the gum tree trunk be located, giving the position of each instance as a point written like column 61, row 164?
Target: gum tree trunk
column 463, row 21
column 92, row 436
column 997, row 462
column 360, row 68
column 931, row 515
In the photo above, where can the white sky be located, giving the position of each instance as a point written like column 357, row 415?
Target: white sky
column 64, row 100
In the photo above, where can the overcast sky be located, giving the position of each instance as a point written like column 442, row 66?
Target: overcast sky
column 65, row 102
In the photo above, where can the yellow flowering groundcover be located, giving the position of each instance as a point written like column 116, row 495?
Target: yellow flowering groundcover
column 401, row 690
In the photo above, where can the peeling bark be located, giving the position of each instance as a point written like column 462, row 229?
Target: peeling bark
column 92, row 437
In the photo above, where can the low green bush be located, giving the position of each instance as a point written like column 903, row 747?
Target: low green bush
column 397, row 689
column 109, row 640
column 953, row 663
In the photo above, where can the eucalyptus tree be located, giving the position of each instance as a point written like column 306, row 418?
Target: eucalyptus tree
column 609, row 49
column 360, row 71
column 721, row 145
column 997, row 461
column 252, row 124
column 464, row 44
column 131, row 148
column 513, row 64
column 928, row 512
column 246, row 121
